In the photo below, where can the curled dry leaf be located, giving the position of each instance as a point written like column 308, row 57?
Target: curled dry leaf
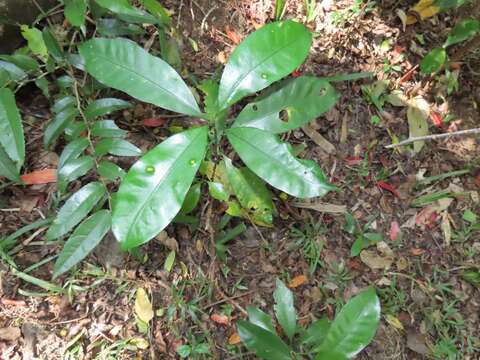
column 234, row 339
column 297, row 281
column 37, row 177
column 143, row 306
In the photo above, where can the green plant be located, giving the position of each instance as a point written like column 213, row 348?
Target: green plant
column 154, row 189
column 280, row 6
column 309, row 240
column 363, row 238
column 310, row 6
column 352, row 329
column 465, row 30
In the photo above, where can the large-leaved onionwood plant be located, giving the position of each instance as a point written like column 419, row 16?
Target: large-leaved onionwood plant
column 154, row 189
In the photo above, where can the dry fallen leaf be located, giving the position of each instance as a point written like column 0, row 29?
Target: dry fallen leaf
column 424, row 9
column 143, row 306
column 393, row 321
column 318, row 139
column 297, row 281
column 322, row 207
column 374, row 260
column 167, row 241
column 417, row 114
column 44, row 176
column 9, row 333
column 234, row 339
column 220, row 319
column 446, row 228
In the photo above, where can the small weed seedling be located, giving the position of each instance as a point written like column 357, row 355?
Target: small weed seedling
column 352, row 329
column 363, row 238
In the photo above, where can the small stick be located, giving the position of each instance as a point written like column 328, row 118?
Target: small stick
column 434, row 137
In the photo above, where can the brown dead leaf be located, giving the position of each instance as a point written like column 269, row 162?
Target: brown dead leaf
column 322, row 207
column 382, row 258
column 222, row 57
column 318, row 139
column 416, row 252
column 297, row 281
column 167, row 241
column 220, row 319
column 234, row 339
column 9, row 333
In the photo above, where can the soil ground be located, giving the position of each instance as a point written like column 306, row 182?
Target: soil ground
column 428, row 309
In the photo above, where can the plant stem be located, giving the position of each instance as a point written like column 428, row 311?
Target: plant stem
column 434, row 137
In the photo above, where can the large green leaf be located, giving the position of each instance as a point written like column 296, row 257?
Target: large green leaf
column 7, row 167
column 110, row 170
column 14, row 72
column 75, row 11
column 73, row 169
column 127, row 12
column 264, row 343
column 123, row 65
column 353, row 328
column 75, row 209
column 59, row 123
column 464, row 30
column 24, row 62
column 83, row 240
column 265, row 56
column 52, row 44
column 251, row 192
column 117, row 147
column 296, row 103
column 107, row 128
column 285, row 309
column 105, row 106
column 316, row 332
column 261, row 319
column 275, row 163
column 152, row 192
column 11, row 129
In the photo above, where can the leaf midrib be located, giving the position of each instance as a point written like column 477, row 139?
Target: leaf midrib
column 160, row 182
column 150, row 81
column 237, row 83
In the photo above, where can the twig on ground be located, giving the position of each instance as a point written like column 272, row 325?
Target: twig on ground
column 435, row 137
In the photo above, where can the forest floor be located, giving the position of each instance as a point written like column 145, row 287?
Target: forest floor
column 429, row 310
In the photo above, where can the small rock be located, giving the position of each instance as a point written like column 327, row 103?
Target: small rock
column 416, row 342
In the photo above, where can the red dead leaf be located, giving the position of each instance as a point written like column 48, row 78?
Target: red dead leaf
column 154, row 122
column 220, row 319
column 44, row 176
column 297, row 281
column 408, row 75
column 416, row 252
column 394, row 230
column 383, row 185
column 232, row 35
column 296, row 73
column 437, row 119
column 352, row 161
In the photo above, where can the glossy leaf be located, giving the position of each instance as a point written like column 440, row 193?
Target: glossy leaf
column 24, row 62
column 126, row 11
column 296, row 103
column 117, row 147
column 353, row 328
column 72, row 151
column 274, row 162
column 35, row 41
column 75, row 209
column 73, row 169
column 11, row 129
column 105, row 106
column 62, row 103
column 251, row 192
column 75, row 11
column 83, row 240
column 261, row 319
column 123, row 65
column 14, row 72
column 59, row 124
column 265, row 56
column 464, row 30
column 153, row 191
column 218, row 191
column 285, row 309
column 107, row 128
column 265, row 344
column 192, row 198
column 433, row 61
column 156, row 9
column 115, row 27
column 8, row 168
column 316, row 332
column 110, row 171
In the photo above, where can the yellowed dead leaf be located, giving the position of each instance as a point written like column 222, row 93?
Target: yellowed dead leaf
column 297, row 281
column 402, row 264
column 382, row 258
column 234, row 339
column 322, row 207
column 424, row 9
column 446, row 228
column 393, row 321
column 417, row 115
column 140, row 343
column 143, row 306
column 403, row 18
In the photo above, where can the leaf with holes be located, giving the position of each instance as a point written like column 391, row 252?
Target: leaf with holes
column 251, row 192
column 153, row 191
column 265, row 56
column 274, row 162
column 83, row 240
column 11, row 129
column 75, row 209
column 297, row 102
column 123, row 65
